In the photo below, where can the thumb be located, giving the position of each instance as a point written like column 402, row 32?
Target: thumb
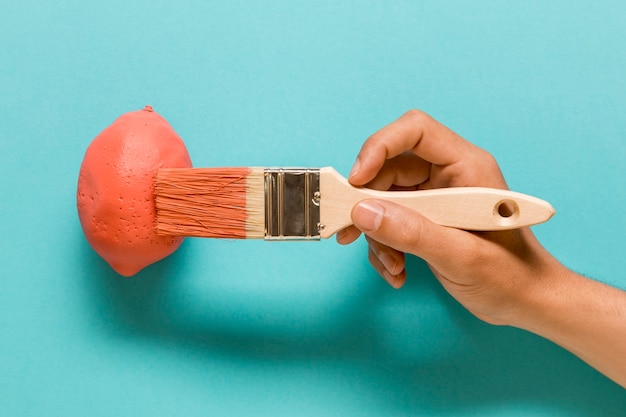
column 408, row 231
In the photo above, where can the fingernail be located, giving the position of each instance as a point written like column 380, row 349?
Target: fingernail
column 368, row 216
column 392, row 280
column 341, row 235
column 355, row 168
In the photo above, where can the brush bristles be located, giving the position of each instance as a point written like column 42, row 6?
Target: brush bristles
column 210, row 202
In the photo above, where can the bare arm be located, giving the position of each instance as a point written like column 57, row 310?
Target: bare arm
column 584, row 316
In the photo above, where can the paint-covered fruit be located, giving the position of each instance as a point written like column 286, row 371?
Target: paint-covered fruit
column 115, row 189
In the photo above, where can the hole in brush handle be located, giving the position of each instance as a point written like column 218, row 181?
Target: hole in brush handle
column 506, row 212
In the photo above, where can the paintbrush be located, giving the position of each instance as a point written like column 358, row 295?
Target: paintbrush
column 309, row 204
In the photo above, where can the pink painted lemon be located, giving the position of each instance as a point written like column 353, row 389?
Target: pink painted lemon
column 115, row 189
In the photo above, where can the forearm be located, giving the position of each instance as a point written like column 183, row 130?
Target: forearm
column 584, row 316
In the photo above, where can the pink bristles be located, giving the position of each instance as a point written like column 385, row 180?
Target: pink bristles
column 210, row 202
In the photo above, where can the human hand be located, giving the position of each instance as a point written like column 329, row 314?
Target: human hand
column 503, row 277
column 490, row 273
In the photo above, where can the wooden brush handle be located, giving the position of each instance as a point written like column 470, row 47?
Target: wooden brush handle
column 468, row 208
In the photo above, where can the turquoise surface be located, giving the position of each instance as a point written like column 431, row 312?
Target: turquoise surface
column 306, row 329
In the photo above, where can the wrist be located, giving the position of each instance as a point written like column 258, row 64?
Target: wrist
column 543, row 299
column 584, row 316
column 535, row 286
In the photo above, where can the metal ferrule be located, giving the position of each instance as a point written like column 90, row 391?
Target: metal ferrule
column 292, row 203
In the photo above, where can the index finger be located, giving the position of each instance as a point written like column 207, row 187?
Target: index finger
column 414, row 131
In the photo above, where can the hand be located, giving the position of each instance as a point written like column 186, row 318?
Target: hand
column 489, row 272
column 501, row 277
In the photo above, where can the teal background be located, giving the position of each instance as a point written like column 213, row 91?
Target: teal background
column 307, row 329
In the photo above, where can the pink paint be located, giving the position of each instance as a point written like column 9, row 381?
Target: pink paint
column 115, row 189
column 203, row 202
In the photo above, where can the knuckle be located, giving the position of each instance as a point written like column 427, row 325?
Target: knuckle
column 487, row 159
column 487, row 170
column 416, row 114
column 374, row 261
column 419, row 117
column 371, row 257
column 410, row 233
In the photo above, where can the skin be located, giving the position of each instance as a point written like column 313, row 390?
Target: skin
column 503, row 278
